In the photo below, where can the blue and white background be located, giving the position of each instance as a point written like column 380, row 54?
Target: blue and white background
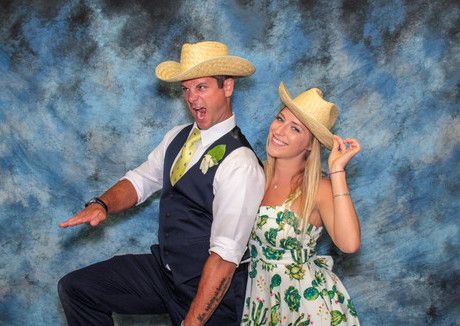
column 80, row 105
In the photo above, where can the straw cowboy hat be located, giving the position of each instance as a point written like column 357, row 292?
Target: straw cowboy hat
column 204, row 59
column 317, row 114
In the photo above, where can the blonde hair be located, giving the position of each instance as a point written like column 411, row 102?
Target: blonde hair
column 308, row 186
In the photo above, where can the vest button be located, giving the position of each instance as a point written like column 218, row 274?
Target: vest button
column 168, row 215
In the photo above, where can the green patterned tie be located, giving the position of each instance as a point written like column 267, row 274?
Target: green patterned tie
column 185, row 155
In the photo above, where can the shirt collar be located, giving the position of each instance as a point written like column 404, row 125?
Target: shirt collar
column 210, row 135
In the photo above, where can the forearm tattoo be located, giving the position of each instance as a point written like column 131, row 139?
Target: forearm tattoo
column 215, row 300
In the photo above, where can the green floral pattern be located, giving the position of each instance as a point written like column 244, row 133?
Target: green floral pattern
column 295, row 271
column 292, row 298
column 288, row 283
column 271, row 235
column 290, row 243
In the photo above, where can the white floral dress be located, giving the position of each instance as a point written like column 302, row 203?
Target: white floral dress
column 288, row 283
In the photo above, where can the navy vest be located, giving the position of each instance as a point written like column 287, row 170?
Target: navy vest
column 186, row 209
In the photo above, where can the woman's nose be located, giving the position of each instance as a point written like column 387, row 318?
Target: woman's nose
column 279, row 129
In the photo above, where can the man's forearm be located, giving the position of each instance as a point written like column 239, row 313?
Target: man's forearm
column 214, row 283
column 120, row 196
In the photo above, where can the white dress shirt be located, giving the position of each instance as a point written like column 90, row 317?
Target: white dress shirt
column 238, row 188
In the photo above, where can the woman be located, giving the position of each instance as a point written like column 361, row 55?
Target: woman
column 288, row 283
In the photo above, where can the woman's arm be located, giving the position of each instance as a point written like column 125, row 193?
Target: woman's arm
column 335, row 204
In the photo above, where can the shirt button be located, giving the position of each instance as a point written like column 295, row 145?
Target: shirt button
column 168, row 215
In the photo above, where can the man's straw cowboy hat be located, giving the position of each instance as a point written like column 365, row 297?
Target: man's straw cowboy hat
column 317, row 114
column 204, row 59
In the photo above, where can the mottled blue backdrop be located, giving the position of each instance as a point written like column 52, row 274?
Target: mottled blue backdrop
column 79, row 105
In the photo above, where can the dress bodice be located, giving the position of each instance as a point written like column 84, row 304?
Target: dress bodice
column 280, row 235
column 288, row 283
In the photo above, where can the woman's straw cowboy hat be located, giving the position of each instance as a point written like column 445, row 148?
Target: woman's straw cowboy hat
column 204, row 59
column 317, row 114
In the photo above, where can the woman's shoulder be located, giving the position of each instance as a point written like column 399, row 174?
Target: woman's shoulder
column 324, row 184
column 324, row 188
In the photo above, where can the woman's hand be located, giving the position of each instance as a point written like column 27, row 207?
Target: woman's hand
column 342, row 152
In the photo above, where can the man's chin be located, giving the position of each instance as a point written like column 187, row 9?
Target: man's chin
column 203, row 125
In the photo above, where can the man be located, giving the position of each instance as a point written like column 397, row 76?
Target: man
column 211, row 183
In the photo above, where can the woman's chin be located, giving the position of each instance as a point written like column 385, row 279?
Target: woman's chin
column 275, row 153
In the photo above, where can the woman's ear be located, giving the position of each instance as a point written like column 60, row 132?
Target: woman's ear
column 307, row 153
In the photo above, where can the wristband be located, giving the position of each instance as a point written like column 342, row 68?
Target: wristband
column 339, row 171
column 97, row 200
column 344, row 194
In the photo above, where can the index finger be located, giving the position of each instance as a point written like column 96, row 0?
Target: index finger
column 75, row 220
column 353, row 143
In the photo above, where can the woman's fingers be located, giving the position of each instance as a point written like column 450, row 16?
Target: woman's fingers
column 342, row 147
column 353, row 145
column 338, row 141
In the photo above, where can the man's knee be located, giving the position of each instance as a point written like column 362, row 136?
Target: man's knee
column 65, row 286
column 69, row 286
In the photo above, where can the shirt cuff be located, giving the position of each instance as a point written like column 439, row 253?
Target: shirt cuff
column 131, row 177
column 229, row 249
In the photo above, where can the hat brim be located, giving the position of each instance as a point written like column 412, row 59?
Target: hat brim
column 170, row 71
column 323, row 134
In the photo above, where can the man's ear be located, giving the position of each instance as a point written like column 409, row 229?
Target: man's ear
column 229, row 83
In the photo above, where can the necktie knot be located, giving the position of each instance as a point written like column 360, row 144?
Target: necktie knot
column 194, row 137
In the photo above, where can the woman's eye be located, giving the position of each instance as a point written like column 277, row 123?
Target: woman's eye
column 296, row 129
column 279, row 118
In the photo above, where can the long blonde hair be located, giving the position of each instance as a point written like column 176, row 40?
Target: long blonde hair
column 308, row 186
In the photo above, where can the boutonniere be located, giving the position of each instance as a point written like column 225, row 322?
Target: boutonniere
column 212, row 157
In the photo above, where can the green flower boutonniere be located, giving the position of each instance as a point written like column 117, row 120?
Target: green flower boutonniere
column 212, row 157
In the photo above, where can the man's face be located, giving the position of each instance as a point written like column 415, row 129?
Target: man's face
column 208, row 103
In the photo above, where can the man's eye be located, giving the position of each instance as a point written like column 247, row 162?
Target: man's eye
column 279, row 118
column 296, row 129
column 184, row 89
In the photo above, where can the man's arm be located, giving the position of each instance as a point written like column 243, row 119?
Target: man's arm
column 118, row 198
column 239, row 186
column 214, row 283
column 135, row 187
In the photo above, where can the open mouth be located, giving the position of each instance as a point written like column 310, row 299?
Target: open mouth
column 278, row 142
column 200, row 113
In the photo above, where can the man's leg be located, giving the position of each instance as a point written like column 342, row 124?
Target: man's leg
column 131, row 284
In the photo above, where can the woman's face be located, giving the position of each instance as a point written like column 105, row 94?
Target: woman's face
column 288, row 138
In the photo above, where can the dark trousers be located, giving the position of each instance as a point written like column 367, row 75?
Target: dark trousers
column 139, row 284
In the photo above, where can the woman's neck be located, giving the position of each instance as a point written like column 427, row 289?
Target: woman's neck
column 285, row 171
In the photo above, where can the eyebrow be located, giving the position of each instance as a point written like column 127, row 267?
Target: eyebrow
column 197, row 85
column 297, row 124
